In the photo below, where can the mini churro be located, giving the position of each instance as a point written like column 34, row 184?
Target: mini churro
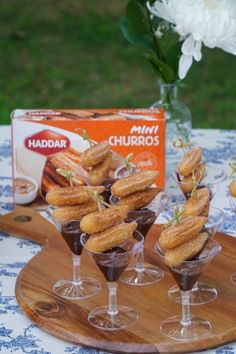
column 187, row 250
column 99, row 172
column 134, row 183
column 95, row 154
column 116, row 235
column 104, row 219
column 190, row 161
column 198, row 204
column 139, row 200
column 200, row 171
column 71, row 195
column 177, row 234
column 75, row 212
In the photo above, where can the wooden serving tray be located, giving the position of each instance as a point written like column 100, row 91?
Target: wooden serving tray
column 68, row 319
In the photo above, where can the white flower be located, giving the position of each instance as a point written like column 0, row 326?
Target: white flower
column 208, row 22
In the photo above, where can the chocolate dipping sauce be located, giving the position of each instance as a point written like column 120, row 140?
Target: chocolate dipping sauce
column 114, row 267
column 185, row 281
column 71, row 233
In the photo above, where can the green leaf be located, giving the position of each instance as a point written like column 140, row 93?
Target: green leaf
column 169, row 37
column 172, row 57
column 135, row 25
column 136, row 16
column 140, row 40
column 156, row 68
column 164, row 71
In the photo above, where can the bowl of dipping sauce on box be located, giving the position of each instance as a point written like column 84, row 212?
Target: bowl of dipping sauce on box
column 25, row 189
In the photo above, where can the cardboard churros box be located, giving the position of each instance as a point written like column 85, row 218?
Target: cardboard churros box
column 47, row 140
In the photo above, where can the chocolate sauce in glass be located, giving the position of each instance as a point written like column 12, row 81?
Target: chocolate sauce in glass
column 71, row 233
column 185, row 281
column 112, row 268
column 145, row 218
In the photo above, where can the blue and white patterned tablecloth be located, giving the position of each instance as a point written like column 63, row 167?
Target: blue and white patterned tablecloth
column 17, row 333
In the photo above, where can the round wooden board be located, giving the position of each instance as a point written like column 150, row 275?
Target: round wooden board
column 68, row 319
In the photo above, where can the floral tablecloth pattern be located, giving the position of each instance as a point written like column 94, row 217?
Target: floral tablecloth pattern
column 17, row 333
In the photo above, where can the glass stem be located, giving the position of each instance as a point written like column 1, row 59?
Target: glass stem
column 185, row 321
column 140, row 259
column 112, row 307
column 76, row 270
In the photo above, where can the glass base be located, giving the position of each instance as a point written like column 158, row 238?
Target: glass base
column 100, row 318
column 71, row 291
column 233, row 278
column 203, row 294
column 173, row 328
column 150, row 275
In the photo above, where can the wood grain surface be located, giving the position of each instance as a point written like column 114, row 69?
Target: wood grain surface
column 68, row 319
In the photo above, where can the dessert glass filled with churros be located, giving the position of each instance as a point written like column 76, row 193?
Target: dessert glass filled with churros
column 215, row 217
column 193, row 173
column 112, row 250
column 201, row 293
column 67, row 206
column 145, row 202
column 186, row 257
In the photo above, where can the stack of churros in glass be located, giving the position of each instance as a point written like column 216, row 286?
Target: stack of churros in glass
column 106, row 228
column 190, row 170
column 183, row 240
column 98, row 159
column 135, row 191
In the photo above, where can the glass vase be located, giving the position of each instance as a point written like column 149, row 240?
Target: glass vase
column 178, row 122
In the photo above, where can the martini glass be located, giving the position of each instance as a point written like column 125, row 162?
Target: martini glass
column 213, row 176
column 186, row 326
column 112, row 264
column 79, row 287
column 201, row 293
column 144, row 274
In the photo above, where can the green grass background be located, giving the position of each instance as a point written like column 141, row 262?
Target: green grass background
column 71, row 53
